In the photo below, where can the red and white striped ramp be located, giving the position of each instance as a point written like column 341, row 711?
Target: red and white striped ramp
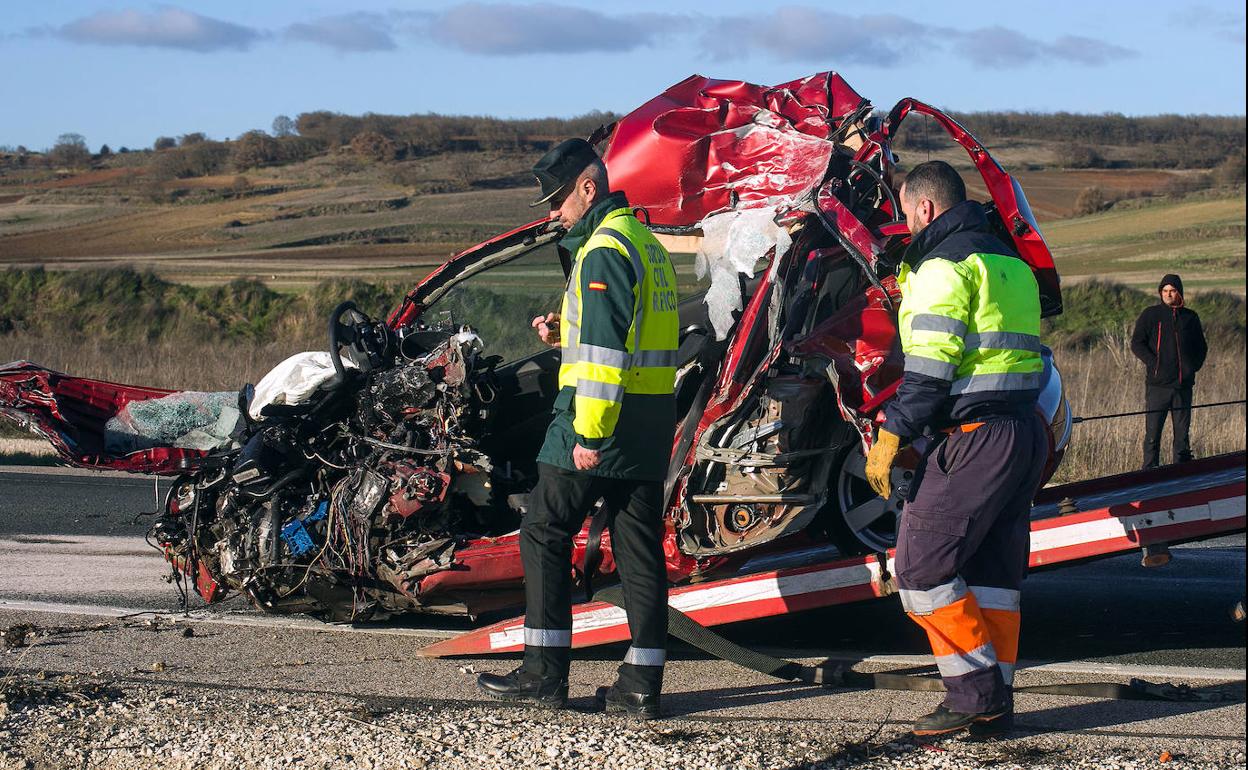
column 1072, row 522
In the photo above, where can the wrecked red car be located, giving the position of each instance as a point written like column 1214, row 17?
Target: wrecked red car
column 389, row 474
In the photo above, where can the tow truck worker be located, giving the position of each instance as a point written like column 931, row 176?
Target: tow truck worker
column 969, row 322
column 610, row 439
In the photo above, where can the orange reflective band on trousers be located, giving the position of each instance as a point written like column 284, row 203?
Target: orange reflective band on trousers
column 1003, row 627
column 960, row 636
column 1000, row 610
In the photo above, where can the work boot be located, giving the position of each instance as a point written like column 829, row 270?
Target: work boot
column 635, row 704
column 942, row 721
column 997, row 727
column 519, row 685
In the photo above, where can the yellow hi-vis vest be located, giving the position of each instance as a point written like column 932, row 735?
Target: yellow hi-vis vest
column 643, row 361
column 974, row 322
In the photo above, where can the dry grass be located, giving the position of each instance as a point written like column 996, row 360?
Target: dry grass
column 1107, row 380
column 210, row 366
column 1103, row 380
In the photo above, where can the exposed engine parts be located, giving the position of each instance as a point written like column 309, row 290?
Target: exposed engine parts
column 338, row 506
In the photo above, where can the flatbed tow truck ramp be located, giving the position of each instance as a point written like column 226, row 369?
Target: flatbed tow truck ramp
column 1070, row 523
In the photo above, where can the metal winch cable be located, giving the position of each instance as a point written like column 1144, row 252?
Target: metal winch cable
column 1078, row 420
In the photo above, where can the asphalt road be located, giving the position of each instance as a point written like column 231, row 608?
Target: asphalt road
column 84, row 529
column 74, row 540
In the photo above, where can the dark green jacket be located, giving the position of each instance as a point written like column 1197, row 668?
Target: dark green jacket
column 641, row 443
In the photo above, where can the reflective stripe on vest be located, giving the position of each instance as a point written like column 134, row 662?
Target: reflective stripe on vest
column 601, row 375
column 974, row 323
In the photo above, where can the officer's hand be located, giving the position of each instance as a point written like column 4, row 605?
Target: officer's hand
column 547, row 328
column 585, row 459
column 880, row 462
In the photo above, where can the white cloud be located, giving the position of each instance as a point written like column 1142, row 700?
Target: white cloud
column 504, row 29
column 805, row 33
column 162, row 28
column 1222, row 24
column 795, row 33
column 347, row 33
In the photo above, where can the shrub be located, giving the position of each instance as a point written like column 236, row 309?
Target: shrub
column 255, row 148
column 1091, row 200
column 296, row 148
column 1230, row 172
column 373, row 146
column 1082, row 156
column 164, row 143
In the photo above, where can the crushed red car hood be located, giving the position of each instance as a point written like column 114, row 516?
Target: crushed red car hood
column 705, row 146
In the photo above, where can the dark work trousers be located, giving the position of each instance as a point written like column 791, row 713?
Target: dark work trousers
column 1179, row 402
column 962, row 554
column 558, row 506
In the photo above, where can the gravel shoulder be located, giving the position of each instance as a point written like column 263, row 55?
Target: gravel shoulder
column 143, row 693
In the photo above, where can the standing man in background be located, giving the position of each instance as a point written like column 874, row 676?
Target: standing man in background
column 610, row 439
column 969, row 323
column 1170, row 342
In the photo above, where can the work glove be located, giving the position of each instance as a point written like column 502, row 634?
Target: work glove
column 880, row 462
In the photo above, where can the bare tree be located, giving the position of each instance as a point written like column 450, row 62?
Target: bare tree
column 283, row 126
column 70, row 151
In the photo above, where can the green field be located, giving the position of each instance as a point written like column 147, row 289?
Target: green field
column 1203, row 240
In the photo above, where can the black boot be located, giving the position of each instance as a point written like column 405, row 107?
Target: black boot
column 999, row 727
column 640, row 705
column 520, row 685
column 943, row 721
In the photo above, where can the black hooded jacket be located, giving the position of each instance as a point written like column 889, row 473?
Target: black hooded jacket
column 1170, row 342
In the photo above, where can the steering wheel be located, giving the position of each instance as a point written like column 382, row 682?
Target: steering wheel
column 360, row 335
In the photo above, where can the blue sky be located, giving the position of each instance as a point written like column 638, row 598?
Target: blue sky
column 123, row 73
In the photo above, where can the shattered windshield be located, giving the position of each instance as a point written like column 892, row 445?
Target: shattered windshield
column 500, row 303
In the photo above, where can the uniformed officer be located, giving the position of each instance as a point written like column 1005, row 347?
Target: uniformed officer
column 610, row 439
column 969, row 323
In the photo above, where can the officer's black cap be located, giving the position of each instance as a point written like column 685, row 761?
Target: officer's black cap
column 561, row 166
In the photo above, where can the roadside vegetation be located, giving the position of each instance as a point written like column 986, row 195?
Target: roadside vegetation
column 1107, row 379
column 134, row 327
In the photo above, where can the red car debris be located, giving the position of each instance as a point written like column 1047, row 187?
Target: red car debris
column 396, row 483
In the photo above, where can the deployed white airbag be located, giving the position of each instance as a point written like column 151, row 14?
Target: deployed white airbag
column 294, row 380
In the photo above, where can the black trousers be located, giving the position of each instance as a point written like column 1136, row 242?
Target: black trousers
column 1179, row 402
column 962, row 552
column 558, row 506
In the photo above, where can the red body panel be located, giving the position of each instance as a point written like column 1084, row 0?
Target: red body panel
column 70, row 412
column 705, row 146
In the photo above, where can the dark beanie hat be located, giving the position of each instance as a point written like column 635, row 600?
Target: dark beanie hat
column 1171, row 279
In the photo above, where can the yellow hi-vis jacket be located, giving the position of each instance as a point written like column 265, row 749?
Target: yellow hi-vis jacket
column 969, row 323
column 619, row 330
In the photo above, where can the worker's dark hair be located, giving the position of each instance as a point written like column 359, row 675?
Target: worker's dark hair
column 938, row 182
